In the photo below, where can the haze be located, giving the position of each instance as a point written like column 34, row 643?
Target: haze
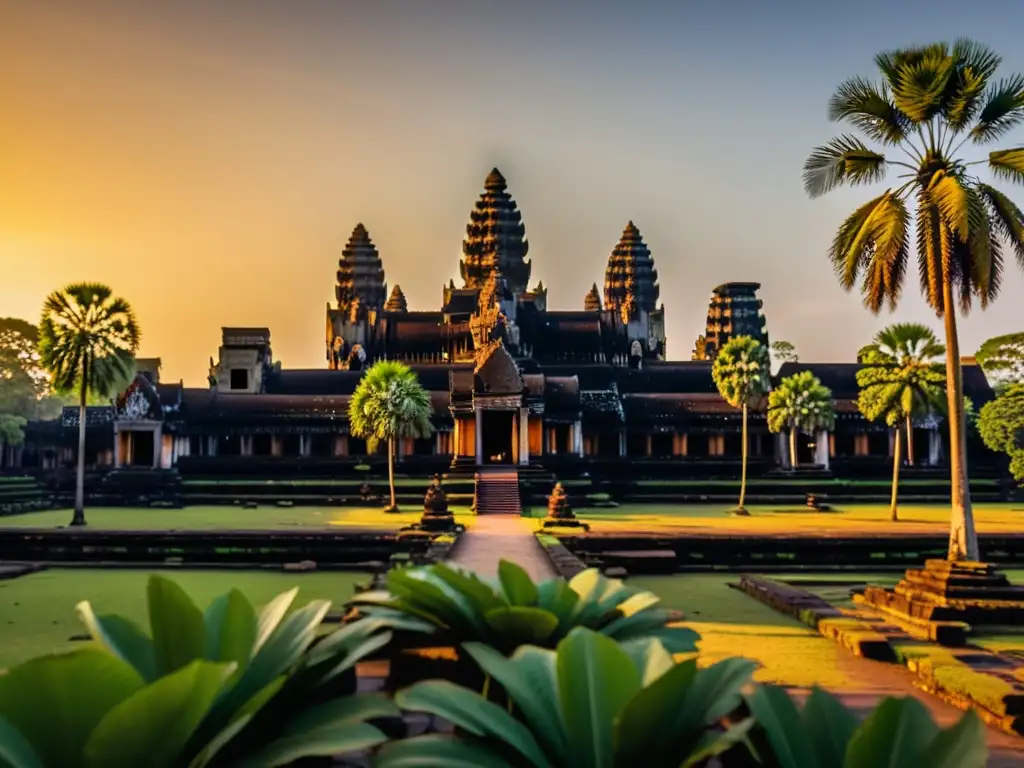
column 209, row 161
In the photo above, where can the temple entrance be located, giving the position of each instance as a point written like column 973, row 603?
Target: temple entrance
column 496, row 438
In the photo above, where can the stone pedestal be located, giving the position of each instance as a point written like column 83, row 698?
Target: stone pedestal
column 560, row 514
column 436, row 515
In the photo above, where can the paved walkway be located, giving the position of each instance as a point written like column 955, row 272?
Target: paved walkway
column 495, row 537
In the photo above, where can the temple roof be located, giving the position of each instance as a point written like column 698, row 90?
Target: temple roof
column 496, row 373
column 360, row 273
column 592, row 301
column 396, row 302
column 495, row 239
column 630, row 275
column 841, row 378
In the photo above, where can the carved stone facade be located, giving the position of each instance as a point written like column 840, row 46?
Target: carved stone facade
column 592, row 301
column 396, row 302
column 495, row 239
column 734, row 310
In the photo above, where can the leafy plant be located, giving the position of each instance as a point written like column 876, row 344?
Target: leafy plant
column 899, row 733
column 389, row 404
column 87, row 342
column 1002, row 359
column 591, row 703
column 224, row 686
column 742, row 373
column 1001, row 425
column 800, row 402
column 461, row 607
column 930, row 101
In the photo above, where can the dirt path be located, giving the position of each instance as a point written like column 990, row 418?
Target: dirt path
column 495, row 537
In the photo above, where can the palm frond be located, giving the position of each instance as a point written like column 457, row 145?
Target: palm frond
column 922, row 83
column 1004, row 108
column 1006, row 218
column 874, row 243
column 953, row 202
column 929, row 250
column 1007, row 164
column 869, row 109
column 844, row 160
column 975, row 63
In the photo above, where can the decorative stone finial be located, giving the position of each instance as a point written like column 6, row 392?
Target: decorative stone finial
column 592, row 302
column 396, row 302
column 631, row 272
column 495, row 239
column 360, row 274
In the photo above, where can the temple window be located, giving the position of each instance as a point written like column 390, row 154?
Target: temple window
column 861, row 446
column 262, row 445
column 423, row 446
column 229, row 445
column 321, row 445
column 239, row 378
column 291, row 445
column 716, row 445
column 662, row 444
column 636, row 444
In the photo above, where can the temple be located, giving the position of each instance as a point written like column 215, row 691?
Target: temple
column 512, row 381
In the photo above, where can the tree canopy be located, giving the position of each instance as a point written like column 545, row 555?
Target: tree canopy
column 389, row 403
column 25, row 392
column 1001, row 426
column 800, row 402
column 899, row 377
column 1002, row 359
column 742, row 371
column 784, row 352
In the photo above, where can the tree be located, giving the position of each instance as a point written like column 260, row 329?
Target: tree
column 24, row 384
column 784, row 352
column 87, row 342
column 1002, row 359
column 742, row 373
column 900, row 374
column 388, row 404
column 931, row 100
column 800, row 402
column 1001, row 426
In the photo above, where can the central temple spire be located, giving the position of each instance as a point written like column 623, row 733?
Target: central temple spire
column 495, row 239
column 630, row 280
column 360, row 274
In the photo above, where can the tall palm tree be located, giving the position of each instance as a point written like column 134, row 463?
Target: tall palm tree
column 800, row 403
column 742, row 373
column 389, row 404
column 929, row 103
column 87, row 341
column 900, row 369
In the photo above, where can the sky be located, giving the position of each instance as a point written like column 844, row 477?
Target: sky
column 209, row 161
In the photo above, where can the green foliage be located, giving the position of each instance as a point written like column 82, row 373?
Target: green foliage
column 784, row 352
column 226, row 686
column 742, row 371
column 899, row 733
column 389, row 403
column 899, row 377
column 591, row 703
column 12, row 429
column 1002, row 358
column 801, row 402
column 24, row 384
column 461, row 607
column 89, row 337
column 1001, row 426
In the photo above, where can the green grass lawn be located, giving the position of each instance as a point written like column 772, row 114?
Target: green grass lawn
column 839, row 482
column 37, row 612
column 211, row 518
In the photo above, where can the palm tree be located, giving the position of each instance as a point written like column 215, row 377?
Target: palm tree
column 87, row 341
column 800, row 402
column 930, row 102
column 901, row 371
column 742, row 373
column 388, row 404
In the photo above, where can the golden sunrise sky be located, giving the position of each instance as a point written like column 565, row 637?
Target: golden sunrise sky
column 209, row 160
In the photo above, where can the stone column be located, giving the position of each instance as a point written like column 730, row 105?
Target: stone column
column 622, row 442
column 577, row 438
column 158, row 448
column 117, row 447
column 276, row 445
column 524, row 437
column 782, row 449
column 245, row 446
column 934, row 447
column 211, row 445
column 479, row 437
column 821, row 448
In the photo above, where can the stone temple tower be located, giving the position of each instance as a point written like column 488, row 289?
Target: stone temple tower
column 361, row 285
column 734, row 310
column 630, row 277
column 495, row 239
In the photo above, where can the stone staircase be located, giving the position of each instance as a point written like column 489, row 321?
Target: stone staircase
column 497, row 492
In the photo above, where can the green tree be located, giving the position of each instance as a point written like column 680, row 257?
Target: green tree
column 87, row 341
column 24, row 385
column 800, row 403
column 742, row 373
column 784, row 352
column 900, row 373
column 389, row 404
column 930, row 101
column 1002, row 359
column 1001, row 425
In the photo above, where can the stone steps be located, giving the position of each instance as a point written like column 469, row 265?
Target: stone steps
column 497, row 492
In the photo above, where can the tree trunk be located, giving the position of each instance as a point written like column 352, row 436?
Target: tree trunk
column 910, row 441
column 79, row 517
column 391, row 474
column 792, row 449
column 963, row 541
column 743, row 461
column 893, row 513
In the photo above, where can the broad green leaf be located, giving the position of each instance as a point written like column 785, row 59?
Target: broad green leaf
column 789, row 739
column 340, row 739
column 897, row 733
column 55, row 702
column 599, row 598
column 179, row 636
column 122, row 638
column 715, row 743
column 218, row 742
column 480, row 595
column 960, row 746
column 271, row 615
column 435, row 750
column 639, row 601
column 473, row 713
column 650, row 657
column 557, row 597
column 596, row 679
column 347, row 709
column 428, row 597
column 153, row 725
column 653, row 624
column 530, row 679
column 521, row 625
column 516, row 583
column 230, row 622
column 15, row 751
column 829, row 727
column 326, row 667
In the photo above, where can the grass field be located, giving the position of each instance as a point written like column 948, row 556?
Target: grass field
column 212, row 518
column 769, row 519
column 37, row 612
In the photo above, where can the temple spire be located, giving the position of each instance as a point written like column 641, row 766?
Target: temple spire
column 630, row 279
column 360, row 274
column 396, row 302
column 592, row 302
column 495, row 239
